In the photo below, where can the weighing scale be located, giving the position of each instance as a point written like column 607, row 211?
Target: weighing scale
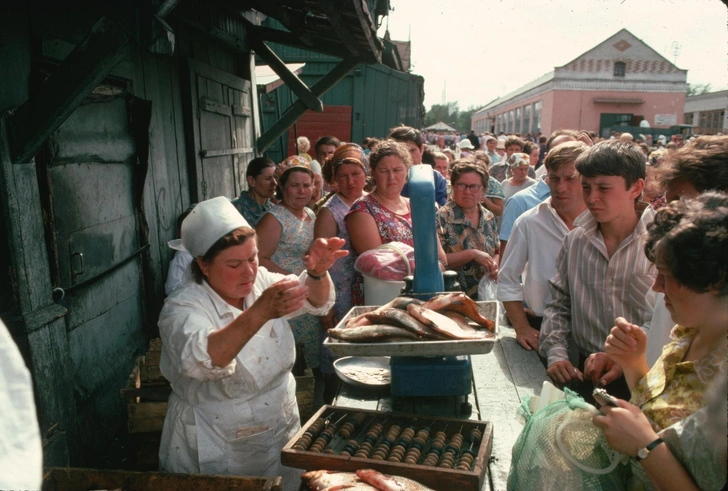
column 444, row 376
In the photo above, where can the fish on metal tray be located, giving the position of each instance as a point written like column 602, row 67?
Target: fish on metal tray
column 442, row 324
column 401, row 318
column 400, row 303
column 461, row 303
column 335, row 481
column 384, row 482
column 460, row 319
column 376, row 332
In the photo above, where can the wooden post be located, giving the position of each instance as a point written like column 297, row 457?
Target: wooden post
column 297, row 109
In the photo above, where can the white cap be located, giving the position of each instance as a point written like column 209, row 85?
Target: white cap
column 207, row 223
column 315, row 167
column 465, row 144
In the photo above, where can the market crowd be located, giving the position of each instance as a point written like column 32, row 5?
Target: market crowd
column 610, row 258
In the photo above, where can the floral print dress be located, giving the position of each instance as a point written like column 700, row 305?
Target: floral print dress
column 296, row 238
column 392, row 228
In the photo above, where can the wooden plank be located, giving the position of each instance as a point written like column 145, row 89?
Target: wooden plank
column 224, row 78
column 210, row 105
column 106, row 45
column 298, row 108
column 289, row 78
column 332, row 9
column 71, row 479
column 375, row 45
column 144, row 410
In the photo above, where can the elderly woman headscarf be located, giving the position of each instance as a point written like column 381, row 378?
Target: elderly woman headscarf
column 227, row 349
column 519, row 165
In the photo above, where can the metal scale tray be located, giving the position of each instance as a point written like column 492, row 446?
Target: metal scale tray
column 453, row 347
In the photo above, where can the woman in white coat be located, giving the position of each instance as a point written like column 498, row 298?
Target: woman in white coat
column 228, row 350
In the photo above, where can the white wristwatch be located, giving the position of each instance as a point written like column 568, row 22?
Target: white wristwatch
column 644, row 452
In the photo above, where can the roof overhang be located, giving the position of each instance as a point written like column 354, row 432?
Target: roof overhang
column 341, row 28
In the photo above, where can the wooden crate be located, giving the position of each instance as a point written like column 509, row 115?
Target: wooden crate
column 73, row 479
column 305, row 394
column 146, row 394
column 435, row 477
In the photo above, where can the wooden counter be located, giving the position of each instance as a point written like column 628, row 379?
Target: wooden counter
column 501, row 380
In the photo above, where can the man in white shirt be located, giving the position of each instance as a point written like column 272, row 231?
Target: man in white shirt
column 535, row 242
column 601, row 269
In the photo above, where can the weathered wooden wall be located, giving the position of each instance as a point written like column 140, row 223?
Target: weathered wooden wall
column 78, row 197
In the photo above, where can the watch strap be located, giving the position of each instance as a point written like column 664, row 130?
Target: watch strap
column 648, row 449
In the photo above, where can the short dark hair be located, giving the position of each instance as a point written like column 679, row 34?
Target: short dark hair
column 407, row 134
column 465, row 166
column 690, row 238
column 326, row 140
column 613, row 158
column 257, row 165
column 428, row 157
column 388, row 148
column 530, row 147
column 514, row 140
column 542, row 139
column 236, row 237
column 703, row 163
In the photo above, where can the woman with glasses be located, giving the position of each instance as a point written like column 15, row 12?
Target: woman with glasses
column 467, row 230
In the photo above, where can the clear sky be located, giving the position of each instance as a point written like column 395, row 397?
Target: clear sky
column 478, row 50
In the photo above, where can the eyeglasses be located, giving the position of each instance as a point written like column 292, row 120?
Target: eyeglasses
column 474, row 188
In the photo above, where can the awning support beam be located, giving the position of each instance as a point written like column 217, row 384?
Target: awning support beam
column 87, row 66
column 297, row 109
column 291, row 79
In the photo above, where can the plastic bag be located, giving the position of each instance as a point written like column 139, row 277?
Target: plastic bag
column 487, row 289
column 392, row 262
column 560, row 448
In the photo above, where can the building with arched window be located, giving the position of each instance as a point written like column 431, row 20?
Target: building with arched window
column 621, row 80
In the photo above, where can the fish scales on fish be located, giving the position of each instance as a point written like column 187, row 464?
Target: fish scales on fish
column 399, row 317
column 375, row 332
column 442, row 324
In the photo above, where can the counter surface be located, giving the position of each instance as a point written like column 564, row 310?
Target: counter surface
column 501, row 380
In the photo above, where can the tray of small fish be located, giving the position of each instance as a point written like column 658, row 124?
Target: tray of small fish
column 376, row 447
column 446, row 325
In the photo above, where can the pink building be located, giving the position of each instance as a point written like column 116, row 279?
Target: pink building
column 620, row 80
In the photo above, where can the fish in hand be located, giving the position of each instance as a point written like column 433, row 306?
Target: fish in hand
column 383, row 482
column 461, row 303
column 442, row 324
column 376, row 332
column 399, row 317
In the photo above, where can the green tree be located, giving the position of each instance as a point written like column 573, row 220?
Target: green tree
column 441, row 112
column 698, row 89
column 464, row 118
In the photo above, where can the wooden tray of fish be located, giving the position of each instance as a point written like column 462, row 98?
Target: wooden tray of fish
column 441, row 453
column 479, row 342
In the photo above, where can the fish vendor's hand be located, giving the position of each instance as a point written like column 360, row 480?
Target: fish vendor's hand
column 563, row 372
column 601, row 369
column 280, row 299
column 322, row 254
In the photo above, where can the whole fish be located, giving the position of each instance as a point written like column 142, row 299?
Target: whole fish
column 335, row 481
column 461, row 303
column 383, row 482
column 442, row 324
column 401, row 318
column 400, row 303
column 375, row 332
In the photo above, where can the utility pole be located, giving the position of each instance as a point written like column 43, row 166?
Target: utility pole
column 675, row 51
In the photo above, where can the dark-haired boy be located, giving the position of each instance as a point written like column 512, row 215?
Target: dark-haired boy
column 601, row 270
column 415, row 143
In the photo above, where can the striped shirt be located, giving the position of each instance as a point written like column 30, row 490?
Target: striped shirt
column 590, row 290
